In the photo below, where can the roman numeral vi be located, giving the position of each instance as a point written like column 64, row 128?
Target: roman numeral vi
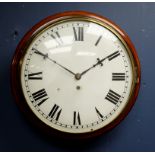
column 76, row 118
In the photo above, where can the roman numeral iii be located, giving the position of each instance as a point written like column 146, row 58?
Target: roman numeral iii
column 55, row 112
column 40, row 96
column 76, row 118
column 78, row 34
column 35, row 76
column 113, row 97
column 118, row 76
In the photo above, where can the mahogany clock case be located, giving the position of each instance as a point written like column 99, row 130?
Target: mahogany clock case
column 15, row 73
column 135, row 133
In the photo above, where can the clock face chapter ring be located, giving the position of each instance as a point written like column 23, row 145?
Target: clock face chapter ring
column 75, row 74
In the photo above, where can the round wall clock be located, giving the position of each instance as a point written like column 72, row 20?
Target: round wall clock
column 75, row 74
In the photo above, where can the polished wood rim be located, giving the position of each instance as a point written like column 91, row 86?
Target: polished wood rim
column 15, row 75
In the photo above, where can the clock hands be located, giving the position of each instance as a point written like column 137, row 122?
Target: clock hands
column 46, row 56
column 78, row 75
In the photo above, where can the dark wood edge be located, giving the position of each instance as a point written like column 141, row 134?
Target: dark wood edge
column 15, row 78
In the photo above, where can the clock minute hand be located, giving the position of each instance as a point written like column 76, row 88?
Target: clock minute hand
column 40, row 53
column 61, row 66
column 46, row 56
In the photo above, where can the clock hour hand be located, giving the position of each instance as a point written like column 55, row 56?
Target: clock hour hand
column 46, row 56
column 99, row 62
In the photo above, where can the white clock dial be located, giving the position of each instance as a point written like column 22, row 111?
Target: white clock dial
column 77, row 76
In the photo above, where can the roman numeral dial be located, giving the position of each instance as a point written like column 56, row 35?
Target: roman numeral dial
column 35, row 76
column 78, row 33
column 98, row 113
column 98, row 40
column 56, row 36
column 40, row 96
column 55, row 112
column 118, row 76
column 76, row 118
column 113, row 97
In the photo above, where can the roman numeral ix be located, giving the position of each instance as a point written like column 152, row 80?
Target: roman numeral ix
column 40, row 96
column 35, row 76
column 118, row 76
column 78, row 34
column 76, row 118
column 113, row 97
column 55, row 112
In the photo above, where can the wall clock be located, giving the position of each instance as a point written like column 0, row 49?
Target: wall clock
column 75, row 74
